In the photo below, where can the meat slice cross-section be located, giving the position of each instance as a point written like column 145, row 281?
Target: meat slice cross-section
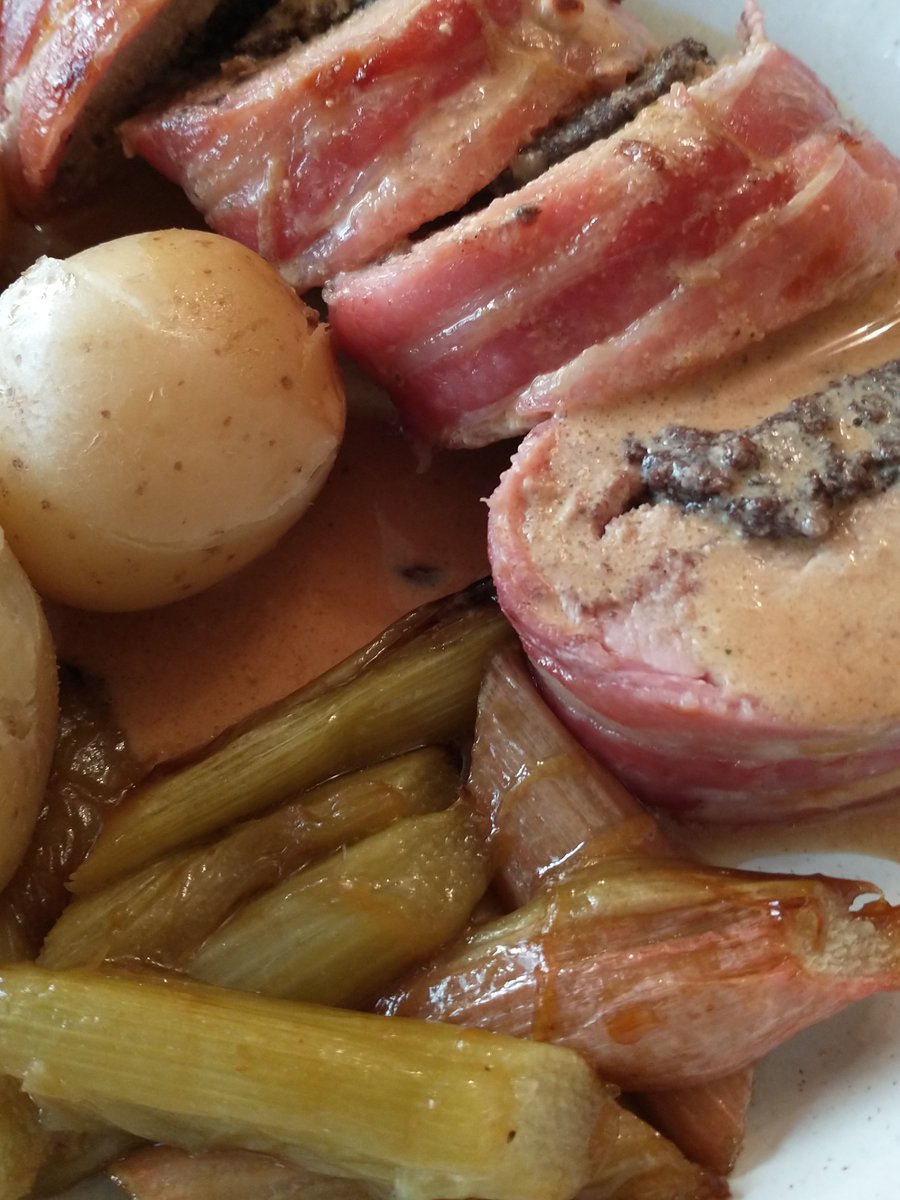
column 69, row 69
column 715, row 613
column 723, row 211
column 325, row 156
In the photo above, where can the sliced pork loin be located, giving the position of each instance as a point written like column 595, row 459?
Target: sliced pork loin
column 328, row 154
column 70, row 69
column 715, row 613
column 723, row 211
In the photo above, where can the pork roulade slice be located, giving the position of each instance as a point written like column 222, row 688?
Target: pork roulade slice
column 328, row 154
column 723, row 211
column 715, row 613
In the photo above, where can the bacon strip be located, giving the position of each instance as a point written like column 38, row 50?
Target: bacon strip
column 325, row 157
column 722, row 212
column 68, row 69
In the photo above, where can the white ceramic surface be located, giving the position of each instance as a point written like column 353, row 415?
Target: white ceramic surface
column 825, row 1121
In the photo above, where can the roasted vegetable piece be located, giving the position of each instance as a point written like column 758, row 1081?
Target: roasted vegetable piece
column 91, row 770
column 706, row 1121
column 641, row 1166
column 163, row 912
column 22, row 1141
column 325, row 156
column 164, row 1173
column 648, row 1167
column 416, row 684
column 75, row 1155
column 649, row 966
column 418, row 1108
column 342, row 929
column 546, row 804
column 550, row 806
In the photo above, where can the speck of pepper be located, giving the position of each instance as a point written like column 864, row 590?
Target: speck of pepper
column 420, row 574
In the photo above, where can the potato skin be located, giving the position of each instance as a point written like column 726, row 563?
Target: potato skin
column 168, row 408
column 28, row 709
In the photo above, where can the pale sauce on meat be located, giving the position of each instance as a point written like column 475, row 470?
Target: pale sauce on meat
column 761, row 617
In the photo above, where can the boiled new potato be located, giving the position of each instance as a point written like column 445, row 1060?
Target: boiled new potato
column 27, row 709
column 168, row 408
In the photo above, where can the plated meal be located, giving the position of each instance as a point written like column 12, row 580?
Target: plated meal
column 449, row 460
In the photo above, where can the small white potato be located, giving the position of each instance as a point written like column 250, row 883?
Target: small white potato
column 28, row 687
column 168, row 408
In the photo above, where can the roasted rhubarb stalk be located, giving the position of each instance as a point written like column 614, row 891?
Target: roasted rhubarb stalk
column 709, row 603
column 415, row 685
column 162, row 913
column 92, row 769
column 165, row 1173
column 23, row 1142
column 642, row 1167
column 342, row 929
column 648, row 966
column 416, row 1107
column 549, row 807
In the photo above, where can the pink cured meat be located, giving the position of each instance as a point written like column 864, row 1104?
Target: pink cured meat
column 59, row 62
column 721, row 677
column 724, row 211
column 330, row 154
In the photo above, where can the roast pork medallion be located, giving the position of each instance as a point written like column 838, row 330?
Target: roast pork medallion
column 325, row 155
column 715, row 611
column 726, row 209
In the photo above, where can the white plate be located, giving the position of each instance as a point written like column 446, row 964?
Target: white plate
column 825, row 1120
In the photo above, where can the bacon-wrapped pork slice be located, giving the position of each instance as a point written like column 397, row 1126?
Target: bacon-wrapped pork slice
column 549, row 807
column 713, row 612
column 325, row 156
column 69, row 70
column 724, row 211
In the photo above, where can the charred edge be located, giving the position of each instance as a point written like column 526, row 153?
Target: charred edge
column 788, row 475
